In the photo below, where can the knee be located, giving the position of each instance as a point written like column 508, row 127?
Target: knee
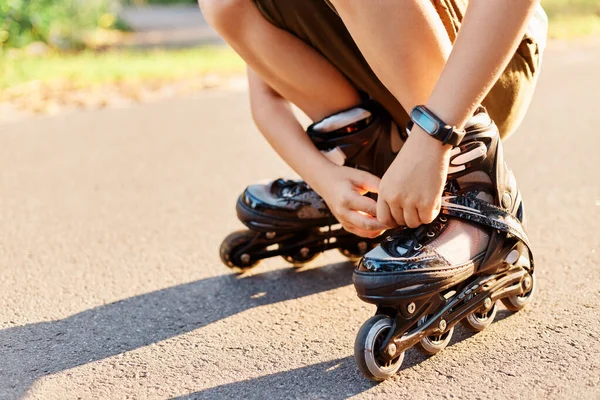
column 223, row 15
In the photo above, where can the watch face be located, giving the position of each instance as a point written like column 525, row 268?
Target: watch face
column 425, row 121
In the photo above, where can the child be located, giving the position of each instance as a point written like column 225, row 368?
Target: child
column 300, row 51
column 371, row 73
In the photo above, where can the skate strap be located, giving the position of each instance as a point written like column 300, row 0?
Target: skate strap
column 483, row 213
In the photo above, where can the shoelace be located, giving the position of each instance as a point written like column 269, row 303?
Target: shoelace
column 415, row 236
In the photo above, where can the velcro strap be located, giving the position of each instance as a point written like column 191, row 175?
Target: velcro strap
column 484, row 213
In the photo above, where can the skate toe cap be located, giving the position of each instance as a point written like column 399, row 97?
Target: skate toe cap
column 380, row 260
column 257, row 194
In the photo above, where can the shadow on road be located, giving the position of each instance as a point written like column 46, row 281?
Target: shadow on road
column 336, row 379
column 33, row 351
column 30, row 352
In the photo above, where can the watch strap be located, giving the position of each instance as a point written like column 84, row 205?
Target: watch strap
column 443, row 132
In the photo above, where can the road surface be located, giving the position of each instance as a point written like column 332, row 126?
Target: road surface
column 112, row 288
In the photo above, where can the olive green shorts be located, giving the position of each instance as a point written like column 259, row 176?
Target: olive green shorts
column 316, row 23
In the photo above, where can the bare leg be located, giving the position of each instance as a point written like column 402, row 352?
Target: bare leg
column 404, row 41
column 291, row 67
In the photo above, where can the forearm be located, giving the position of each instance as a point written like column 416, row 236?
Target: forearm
column 275, row 119
column 486, row 42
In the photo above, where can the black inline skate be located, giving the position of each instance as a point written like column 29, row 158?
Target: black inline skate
column 287, row 218
column 426, row 280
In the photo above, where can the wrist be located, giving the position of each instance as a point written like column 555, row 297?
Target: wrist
column 419, row 135
column 449, row 114
column 318, row 173
column 436, row 127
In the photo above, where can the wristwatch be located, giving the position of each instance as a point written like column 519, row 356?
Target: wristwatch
column 435, row 127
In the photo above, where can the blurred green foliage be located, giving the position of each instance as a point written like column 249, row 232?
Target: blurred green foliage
column 63, row 24
column 573, row 18
column 90, row 68
column 561, row 8
column 60, row 24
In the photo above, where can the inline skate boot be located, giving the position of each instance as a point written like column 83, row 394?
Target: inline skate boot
column 426, row 280
column 287, row 218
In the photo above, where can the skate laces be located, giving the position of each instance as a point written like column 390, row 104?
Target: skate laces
column 408, row 239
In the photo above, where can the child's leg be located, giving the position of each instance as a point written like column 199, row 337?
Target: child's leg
column 290, row 66
column 276, row 38
column 302, row 49
column 429, row 278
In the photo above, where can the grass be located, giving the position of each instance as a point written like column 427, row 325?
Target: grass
column 573, row 18
column 576, row 26
column 91, row 69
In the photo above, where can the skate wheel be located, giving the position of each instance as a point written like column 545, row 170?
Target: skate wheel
column 230, row 246
column 356, row 251
column 299, row 260
column 366, row 348
column 479, row 320
column 433, row 344
column 516, row 303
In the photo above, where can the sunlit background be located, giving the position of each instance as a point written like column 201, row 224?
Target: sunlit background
column 65, row 54
column 125, row 141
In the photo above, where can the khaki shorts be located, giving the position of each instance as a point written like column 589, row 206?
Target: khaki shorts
column 316, row 23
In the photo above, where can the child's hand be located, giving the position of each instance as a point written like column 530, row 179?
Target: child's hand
column 343, row 188
column 410, row 191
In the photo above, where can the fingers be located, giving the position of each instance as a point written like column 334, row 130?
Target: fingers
column 389, row 216
column 357, row 213
column 428, row 214
column 365, row 181
column 364, row 222
column 398, row 214
column 411, row 217
column 384, row 215
column 362, row 232
column 363, row 204
column 407, row 215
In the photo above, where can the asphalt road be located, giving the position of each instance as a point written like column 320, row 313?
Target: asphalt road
column 111, row 286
